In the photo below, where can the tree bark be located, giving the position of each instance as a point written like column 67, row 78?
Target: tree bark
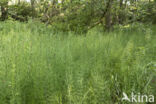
column 120, row 12
column 4, row 11
column 108, row 17
column 32, row 8
column 19, row 1
column 105, row 12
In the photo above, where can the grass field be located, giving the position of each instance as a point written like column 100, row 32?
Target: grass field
column 38, row 66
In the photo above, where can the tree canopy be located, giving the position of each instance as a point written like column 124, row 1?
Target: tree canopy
column 81, row 15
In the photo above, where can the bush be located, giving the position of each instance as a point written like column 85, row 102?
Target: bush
column 21, row 11
column 147, row 12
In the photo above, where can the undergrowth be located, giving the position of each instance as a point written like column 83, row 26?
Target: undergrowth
column 39, row 66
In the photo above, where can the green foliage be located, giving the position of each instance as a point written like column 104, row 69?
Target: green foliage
column 3, row 2
column 147, row 12
column 40, row 67
column 76, row 18
column 21, row 11
column 81, row 15
column 134, row 27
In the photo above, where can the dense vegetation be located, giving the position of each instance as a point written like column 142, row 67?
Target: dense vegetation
column 77, row 51
column 81, row 15
column 38, row 66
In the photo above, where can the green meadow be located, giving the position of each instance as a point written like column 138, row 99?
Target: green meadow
column 40, row 65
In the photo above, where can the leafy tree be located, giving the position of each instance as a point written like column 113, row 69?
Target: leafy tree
column 82, row 15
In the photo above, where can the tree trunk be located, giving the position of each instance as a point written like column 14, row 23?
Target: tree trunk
column 53, row 2
column 126, row 3
column 19, row 1
column 120, row 12
column 4, row 11
column 108, row 17
column 32, row 8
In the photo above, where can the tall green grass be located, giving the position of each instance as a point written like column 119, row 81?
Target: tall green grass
column 38, row 66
